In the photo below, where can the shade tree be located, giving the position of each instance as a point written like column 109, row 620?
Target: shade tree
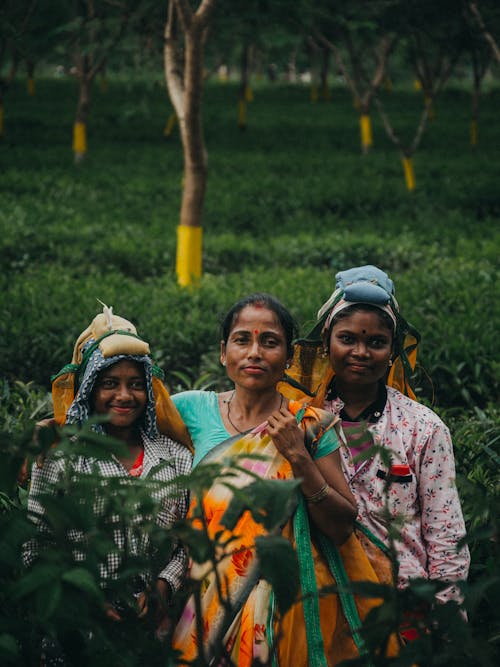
column 361, row 38
column 93, row 31
column 15, row 18
column 486, row 16
column 433, row 38
column 186, row 33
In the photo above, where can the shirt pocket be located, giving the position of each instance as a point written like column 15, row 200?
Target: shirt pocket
column 394, row 494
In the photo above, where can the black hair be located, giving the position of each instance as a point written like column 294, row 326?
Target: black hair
column 285, row 319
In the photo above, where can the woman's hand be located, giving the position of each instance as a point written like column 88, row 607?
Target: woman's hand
column 163, row 618
column 336, row 512
column 286, row 434
column 46, row 426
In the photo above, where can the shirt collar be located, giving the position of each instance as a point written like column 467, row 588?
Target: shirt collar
column 371, row 413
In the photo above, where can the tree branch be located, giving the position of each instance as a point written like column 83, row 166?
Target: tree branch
column 185, row 13
column 340, row 63
column 173, row 69
column 97, row 66
column 485, row 33
column 205, row 11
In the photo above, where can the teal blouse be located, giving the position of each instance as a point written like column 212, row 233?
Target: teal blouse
column 201, row 414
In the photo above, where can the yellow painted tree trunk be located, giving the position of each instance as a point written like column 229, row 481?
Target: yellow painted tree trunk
column 184, row 77
column 169, row 127
column 365, row 125
column 409, row 173
column 473, row 133
column 80, row 124
column 79, row 140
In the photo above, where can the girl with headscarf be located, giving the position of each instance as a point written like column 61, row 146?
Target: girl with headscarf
column 357, row 363
column 112, row 375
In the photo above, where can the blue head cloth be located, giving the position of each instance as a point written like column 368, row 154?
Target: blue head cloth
column 361, row 284
column 365, row 284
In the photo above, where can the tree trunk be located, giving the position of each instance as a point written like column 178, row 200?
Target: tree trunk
column 184, row 78
column 244, row 92
column 325, row 67
column 5, row 83
column 195, row 154
column 82, row 111
column 30, row 70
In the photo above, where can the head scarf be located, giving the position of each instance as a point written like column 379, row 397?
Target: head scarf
column 366, row 285
column 311, row 372
column 80, row 409
column 106, row 341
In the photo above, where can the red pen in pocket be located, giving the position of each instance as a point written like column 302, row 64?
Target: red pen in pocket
column 399, row 472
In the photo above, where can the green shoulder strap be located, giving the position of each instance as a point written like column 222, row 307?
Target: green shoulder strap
column 309, row 588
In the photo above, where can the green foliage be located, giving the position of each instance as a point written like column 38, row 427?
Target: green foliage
column 60, row 602
column 285, row 578
column 289, row 203
column 316, row 207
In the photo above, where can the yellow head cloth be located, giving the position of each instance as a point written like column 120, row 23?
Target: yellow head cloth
column 114, row 335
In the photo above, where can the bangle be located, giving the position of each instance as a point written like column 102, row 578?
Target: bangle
column 319, row 495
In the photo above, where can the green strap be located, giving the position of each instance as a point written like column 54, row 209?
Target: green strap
column 157, row 372
column 310, row 599
column 344, row 591
column 69, row 368
column 373, row 538
column 270, row 629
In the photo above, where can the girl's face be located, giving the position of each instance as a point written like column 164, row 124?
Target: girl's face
column 120, row 392
column 360, row 349
column 255, row 354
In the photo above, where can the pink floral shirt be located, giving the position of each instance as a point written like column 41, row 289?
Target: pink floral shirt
column 423, row 493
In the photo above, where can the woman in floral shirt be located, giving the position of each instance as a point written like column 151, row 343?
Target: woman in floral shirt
column 406, row 488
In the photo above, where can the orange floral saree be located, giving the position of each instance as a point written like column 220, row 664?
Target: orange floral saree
column 319, row 629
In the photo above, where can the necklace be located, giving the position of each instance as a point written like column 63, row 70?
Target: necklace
column 229, row 413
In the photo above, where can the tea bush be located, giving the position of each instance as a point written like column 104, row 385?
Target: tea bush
column 289, row 202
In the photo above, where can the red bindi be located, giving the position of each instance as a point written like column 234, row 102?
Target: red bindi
column 256, row 331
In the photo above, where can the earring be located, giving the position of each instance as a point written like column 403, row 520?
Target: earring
column 287, row 365
column 223, row 363
column 390, row 363
column 324, row 352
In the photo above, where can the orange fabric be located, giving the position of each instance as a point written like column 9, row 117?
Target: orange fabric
column 63, row 393
column 311, row 369
column 167, row 416
column 246, row 639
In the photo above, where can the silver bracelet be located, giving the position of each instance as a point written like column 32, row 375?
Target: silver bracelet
column 319, row 495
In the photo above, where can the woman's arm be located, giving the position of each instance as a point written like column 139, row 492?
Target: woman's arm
column 335, row 508
column 44, row 478
column 442, row 522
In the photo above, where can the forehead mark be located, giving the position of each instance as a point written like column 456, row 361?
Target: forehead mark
column 364, row 331
column 256, row 331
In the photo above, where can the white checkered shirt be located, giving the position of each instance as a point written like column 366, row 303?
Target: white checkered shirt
column 164, row 460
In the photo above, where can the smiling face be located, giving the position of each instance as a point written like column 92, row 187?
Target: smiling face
column 120, row 392
column 255, row 354
column 360, row 349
